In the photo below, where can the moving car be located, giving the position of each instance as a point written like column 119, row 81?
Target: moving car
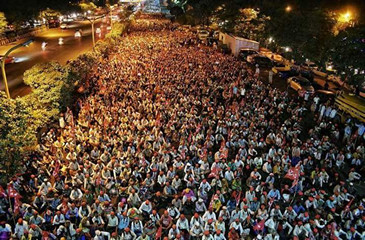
column 245, row 52
column 301, row 85
column 78, row 33
column 8, row 59
column 64, row 26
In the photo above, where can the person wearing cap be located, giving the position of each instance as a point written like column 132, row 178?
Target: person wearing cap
column 45, row 187
column 113, row 222
column 196, row 218
column 173, row 232
column 237, row 226
column 219, row 235
column 224, row 213
column 21, row 228
column 173, row 211
column 128, row 234
column 200, row 206
column 209, row 214
column 290, row 214
column 146, row 208
column 36, row 219
column 76, row 194
column 137, row 226
column 40, row 202
column 207, row 236
column 101, row 235
column 73, row 214
column 133, row 199
column 183, row 225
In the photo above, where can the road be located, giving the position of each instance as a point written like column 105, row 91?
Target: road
column 26, row 57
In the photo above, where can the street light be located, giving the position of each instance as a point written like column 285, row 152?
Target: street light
column 24, row 44
column 92, row 21
column 288, row 8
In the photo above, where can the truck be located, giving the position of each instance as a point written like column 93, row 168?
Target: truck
column 237, row 43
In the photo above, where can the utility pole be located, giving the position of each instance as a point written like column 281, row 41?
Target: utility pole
column 92, row 20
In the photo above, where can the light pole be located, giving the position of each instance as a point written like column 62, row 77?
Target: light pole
column 24, row 44
column 92, row 21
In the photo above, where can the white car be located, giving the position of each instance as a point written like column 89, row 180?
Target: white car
column 78, row 34
column 64, row 26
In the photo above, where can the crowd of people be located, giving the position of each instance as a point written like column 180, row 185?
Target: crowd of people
column 175, row 140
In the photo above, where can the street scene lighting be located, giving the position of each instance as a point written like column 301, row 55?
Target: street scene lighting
column 24, row 44
column 288, row 8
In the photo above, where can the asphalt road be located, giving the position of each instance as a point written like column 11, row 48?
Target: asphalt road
column 26, row 57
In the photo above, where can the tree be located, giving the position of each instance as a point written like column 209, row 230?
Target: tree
column 3, row 23
column 15, row 135
column 295, row 29
column 52, row 86
column 87, row 6
column 347, row 51
column 250, row 24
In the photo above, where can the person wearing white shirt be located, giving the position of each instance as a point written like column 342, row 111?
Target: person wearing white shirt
column 237, row 226
column 146, row 208
column 229, row 175
column 182, row 223
column 196, row 231
column 101, row 235
column 209, row 215
column 20, row 228
column 220, row 225
column 173, row 232
column 219, row 235
column 128, row 234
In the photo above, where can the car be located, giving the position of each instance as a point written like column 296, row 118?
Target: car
column 64, row 26
column 203, row 34
column 245, row 52
column 8, row 59
column 281, row 67
column 309, row 65
column 78, row 33
column 335, row 79
column 301, row 85
column 262, row 61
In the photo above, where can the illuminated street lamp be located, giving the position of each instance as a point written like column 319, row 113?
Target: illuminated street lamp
column 345, row 18
column 24, row 44
column 288, row 8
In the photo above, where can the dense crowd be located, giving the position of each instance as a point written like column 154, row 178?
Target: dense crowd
column 175, row 140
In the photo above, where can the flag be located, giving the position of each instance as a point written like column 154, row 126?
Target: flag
column 293, row 173
column 259, row 226
column 159, row 233
column 214, row 172
column 12, row 192
column 238, row 197
column 2, row 192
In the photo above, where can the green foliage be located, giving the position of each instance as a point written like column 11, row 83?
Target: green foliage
column 3, row 22
column 16, row 136
column 347, row 52
column 87, row 6
column 117, row 30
